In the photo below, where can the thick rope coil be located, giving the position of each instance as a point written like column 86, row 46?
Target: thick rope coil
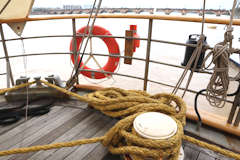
column 131, row 143
column 218, row 84
column 117, row 102
column 121, row 138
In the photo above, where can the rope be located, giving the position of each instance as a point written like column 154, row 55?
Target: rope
column 219, row 81
column 5, row 6
column 212, row 147
column 122, row 138
column 116, row 102
column 2, row 91
column 80, row 47
column 192, row 61
column 74, row 77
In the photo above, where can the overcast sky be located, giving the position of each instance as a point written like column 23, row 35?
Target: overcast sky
column 216, row 4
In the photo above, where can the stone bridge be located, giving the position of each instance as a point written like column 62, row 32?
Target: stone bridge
column 167, row 11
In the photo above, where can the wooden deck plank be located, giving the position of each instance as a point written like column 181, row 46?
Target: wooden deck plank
column 84, row 152
column 51, row 136
column 203, row 156
column 97, row 153
column 190, row 154
column 72, row 103
column 205, row 151
column 7, row 128
column 26, row 141
column 213, row 136
column 40, row 130
column 81, row 127
column 25, row 131
column 27, row 125
column 92, row 129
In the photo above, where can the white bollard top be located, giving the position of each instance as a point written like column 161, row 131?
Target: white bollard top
column 155, row 125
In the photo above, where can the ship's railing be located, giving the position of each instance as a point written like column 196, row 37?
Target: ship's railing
column 148, row 39
column 218, row 121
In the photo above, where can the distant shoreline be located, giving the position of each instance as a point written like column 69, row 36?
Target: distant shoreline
column 78, row 10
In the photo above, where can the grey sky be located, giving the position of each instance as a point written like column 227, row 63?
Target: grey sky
column 223, row 4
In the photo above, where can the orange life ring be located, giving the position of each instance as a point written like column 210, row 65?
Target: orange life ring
column 113, row 48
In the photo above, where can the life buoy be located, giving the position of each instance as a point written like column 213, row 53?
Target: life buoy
column 112, row 46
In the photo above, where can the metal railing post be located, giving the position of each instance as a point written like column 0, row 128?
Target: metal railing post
column 8, row 66
column 74, row 41
column 148, row 54
column 75, row 45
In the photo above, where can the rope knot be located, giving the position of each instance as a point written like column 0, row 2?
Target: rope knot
column 117, row 102
column 228, row 37
column 218, row 85
column 123, row 139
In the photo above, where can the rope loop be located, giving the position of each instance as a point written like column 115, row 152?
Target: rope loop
column 122, row 138
column 139, row 147
column 218, row 84
column 117, row 102
column 228, row 37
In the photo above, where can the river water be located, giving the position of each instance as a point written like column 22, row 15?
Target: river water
column 61, row 64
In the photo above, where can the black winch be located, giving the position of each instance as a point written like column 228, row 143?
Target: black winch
column 193, row 39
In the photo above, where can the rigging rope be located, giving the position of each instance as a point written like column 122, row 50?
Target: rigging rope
column 194, row 58
column 218, row 85
column 219, row 81
column 5, row 6
column 121, row 138
column 85, row 32
column 73, row 77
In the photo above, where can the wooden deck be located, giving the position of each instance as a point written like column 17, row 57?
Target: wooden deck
column 70, row 121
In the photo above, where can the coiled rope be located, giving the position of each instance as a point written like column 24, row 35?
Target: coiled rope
column 219, row 81
column 121, row 138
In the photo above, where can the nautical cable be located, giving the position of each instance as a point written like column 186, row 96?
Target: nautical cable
column 196, row 104
column 219, row 81
column 5, row 6
column 85, row 32
column 194, row 58
column 196, row 108
column 27, row 95
column 25, row 69
column 89, row 34
column 203, row 17
column 116, row 102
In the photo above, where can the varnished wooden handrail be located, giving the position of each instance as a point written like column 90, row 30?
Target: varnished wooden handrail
column 157, row 17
